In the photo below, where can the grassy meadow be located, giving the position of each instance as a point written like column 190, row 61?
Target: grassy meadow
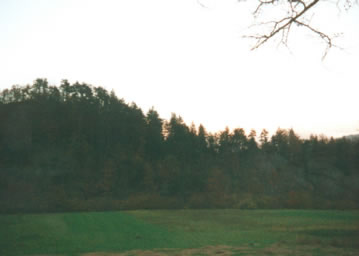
column 182, row 232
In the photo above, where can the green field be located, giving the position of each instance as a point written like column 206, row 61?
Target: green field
column 182, row 232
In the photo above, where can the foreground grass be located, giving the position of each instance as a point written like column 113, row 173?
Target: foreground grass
column 207, row 232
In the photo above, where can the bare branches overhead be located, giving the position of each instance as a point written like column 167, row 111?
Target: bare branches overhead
column 292, row 12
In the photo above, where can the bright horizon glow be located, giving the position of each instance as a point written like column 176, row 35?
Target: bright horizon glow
column 182, row 58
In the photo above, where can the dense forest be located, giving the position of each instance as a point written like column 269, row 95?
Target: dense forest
column 77, row 147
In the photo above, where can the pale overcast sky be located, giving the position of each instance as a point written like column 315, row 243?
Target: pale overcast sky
column 179, row 56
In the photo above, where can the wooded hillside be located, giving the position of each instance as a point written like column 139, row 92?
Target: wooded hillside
column 78, row 147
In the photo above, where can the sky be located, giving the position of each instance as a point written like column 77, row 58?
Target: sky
column 189, row 57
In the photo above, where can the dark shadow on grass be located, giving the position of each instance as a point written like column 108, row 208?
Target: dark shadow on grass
column 341, row 238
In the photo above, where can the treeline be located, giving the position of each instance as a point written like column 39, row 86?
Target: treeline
column 77, row 147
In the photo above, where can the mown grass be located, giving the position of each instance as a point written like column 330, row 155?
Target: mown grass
column 260, row 228
column 265, row 231
column 77, row 232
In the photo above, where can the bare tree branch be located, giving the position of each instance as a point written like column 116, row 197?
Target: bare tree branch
column 295, row 14
column 283, row 24
column 324, row 36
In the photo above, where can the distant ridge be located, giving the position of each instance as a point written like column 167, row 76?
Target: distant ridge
column 353, row 137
